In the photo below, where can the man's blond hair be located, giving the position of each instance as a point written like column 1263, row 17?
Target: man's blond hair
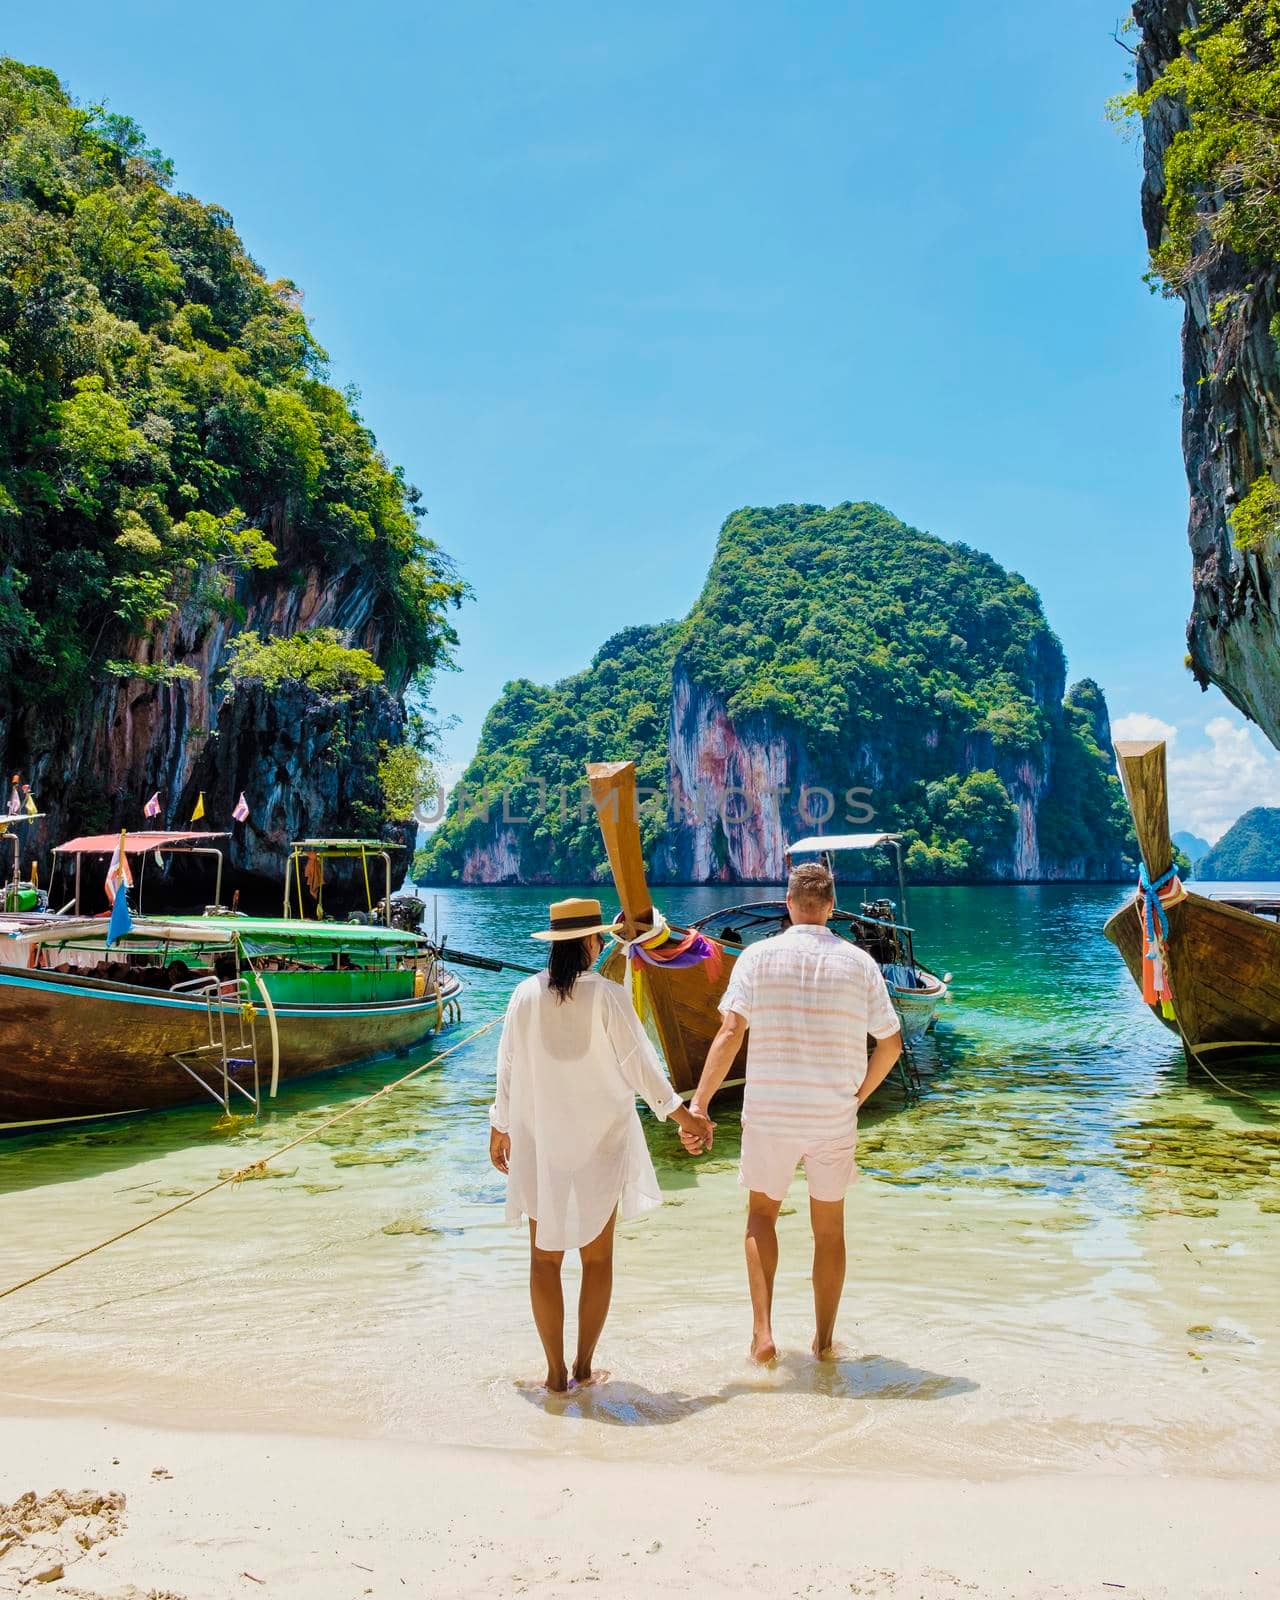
column 811, row 886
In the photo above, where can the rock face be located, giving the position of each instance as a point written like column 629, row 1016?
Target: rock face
column 840, row 672
column 710, row 754
column 305, row 762
column 1230, row 418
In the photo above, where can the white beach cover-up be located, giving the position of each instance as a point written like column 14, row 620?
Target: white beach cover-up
column 568, row 1077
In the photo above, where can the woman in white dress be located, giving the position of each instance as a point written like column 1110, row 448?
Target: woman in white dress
column 564, row 1127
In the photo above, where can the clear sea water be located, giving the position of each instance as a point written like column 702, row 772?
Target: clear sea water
column 1065, row 1244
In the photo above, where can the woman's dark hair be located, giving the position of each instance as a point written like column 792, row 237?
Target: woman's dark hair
column 567, row 960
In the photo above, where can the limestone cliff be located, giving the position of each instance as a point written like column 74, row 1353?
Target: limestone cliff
column 176, row 472
column 839, row 670
column 1231, row 379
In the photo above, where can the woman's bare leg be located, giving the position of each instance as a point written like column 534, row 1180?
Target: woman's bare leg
column 546, row 1293
column 593, row 1302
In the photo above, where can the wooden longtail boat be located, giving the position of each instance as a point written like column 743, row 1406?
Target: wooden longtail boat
column 219, row 1006
column 1221, row 957
column 683, row 1001
column 224, row 1007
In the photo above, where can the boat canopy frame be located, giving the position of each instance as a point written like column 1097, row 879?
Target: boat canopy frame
column 827, row 844
column 362, row 850
column 142, row 843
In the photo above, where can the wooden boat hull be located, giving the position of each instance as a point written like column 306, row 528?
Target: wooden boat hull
column 1223, row 964
column 685, row 1004
column 1224, row 970
column 74, row 1048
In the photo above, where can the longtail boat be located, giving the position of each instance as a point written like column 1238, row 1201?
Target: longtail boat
column 681, row 981
column 218, row 1007
column 1208, row 968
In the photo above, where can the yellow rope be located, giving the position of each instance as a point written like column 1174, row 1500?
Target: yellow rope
column 253, row 1168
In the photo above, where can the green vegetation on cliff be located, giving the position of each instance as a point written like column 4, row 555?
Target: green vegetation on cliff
column 1222, row 171
column 834, row 621
column 879, row 654
column 1221, row 185
column 533, row 748
column 165, row 423
column 1248, row 852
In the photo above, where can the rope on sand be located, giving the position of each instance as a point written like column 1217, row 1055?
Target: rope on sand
column 254, row 1167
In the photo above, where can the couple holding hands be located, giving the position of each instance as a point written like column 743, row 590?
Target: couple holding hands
column 564, row 1127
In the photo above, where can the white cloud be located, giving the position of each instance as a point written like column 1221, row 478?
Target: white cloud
column 1217, row 779
column 1139, row 725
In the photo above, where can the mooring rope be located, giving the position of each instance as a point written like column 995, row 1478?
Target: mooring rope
column 254, row 1167
column 1240, row 1094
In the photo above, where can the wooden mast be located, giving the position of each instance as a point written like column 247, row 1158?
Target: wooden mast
column 613, row 792
column 1142, row 771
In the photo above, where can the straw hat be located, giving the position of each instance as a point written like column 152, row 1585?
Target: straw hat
column 574, row 919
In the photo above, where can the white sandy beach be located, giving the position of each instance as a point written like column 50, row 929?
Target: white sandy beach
column 212, row 1515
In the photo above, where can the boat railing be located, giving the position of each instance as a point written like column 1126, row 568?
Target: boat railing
column 214, row 1064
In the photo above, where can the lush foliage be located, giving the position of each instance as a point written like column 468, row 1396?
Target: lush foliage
column 920, row 669
column 165, row 424
column 1255, row 522
column 1249, row 851
column 1221, row 193
column 406, row 776
column 315, row 657
column 534, row 746
column 1222, row 171
column 836, row 621
column 1086, row 804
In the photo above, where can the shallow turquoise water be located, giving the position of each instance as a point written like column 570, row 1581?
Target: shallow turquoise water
column 1061, row 1257
column 1046, row 1074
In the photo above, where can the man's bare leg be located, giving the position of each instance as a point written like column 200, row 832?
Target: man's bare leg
column 762, row 1267
column 593, row 1301
column 546, row 1292
column 827, row 1217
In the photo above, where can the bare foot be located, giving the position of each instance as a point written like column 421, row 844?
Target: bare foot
column 829, row 1352
column 556, row 1383
column 590, row 1379
column 763, row 1349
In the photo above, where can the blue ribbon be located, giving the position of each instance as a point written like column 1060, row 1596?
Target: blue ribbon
column 1151, row 904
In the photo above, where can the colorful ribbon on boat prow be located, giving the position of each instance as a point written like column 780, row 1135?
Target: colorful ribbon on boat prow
column 1151, row 903
column 661, row 946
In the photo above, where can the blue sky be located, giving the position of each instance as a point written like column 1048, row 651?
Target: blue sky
column 604, row 273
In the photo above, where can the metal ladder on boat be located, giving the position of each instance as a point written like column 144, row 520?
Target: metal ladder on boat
column 907, row 1071
column 214, row 1065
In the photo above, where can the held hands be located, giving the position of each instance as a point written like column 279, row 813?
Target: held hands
column 697, row 1131
column 499, row 1149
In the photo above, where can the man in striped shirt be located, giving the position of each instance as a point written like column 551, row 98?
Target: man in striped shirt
column 810, row 999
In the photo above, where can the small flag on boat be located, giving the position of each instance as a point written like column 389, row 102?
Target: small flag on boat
column 152, row 807
column 199, row 810
column 121, row 922
column 118, row 874
column 241, row 812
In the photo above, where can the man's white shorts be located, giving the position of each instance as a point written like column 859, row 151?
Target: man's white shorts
column 769, row 1162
